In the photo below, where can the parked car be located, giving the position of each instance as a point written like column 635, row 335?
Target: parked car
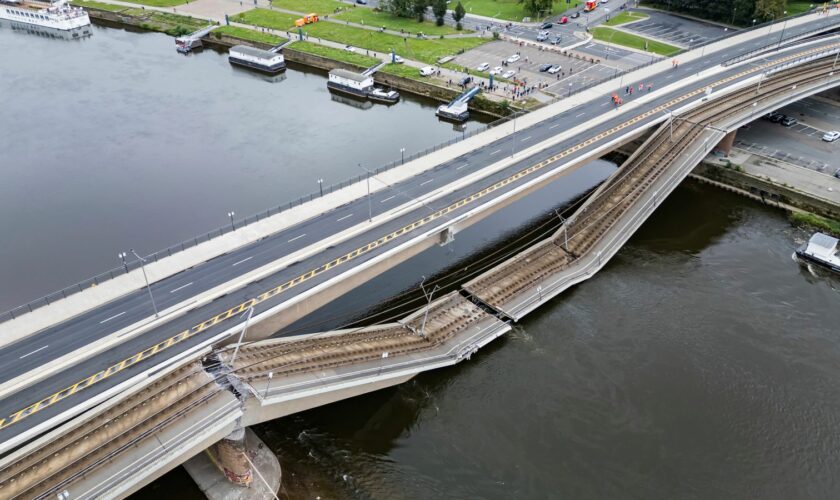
column 483, row 67
column 512, row 59
column 575, row 15
column 789, row 121
column 555, row 69
column 546, row 26
column 564, row 20
column 496, row 71
column 545, row 67
column 556, row 40
column 427, row 71
column 349, row 48
column 541, row 37
column 465, row 80
column 361, row 2
column 398, row 59
column 508, row 74
column 772, row 115
column 831, row 136
column 777, row 118
column 837, row 173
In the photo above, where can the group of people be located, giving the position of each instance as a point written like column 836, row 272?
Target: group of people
column 628, row 90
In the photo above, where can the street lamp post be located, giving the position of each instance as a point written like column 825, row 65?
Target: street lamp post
column 370, row 207
column 321, row 186
column 402, row 155
column 145, row 277
column 784, row 25
column 570, row 89
column 122, row 257
column 230, row 215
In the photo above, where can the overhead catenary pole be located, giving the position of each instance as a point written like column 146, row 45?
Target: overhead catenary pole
column 250, row 313
column 428, row 305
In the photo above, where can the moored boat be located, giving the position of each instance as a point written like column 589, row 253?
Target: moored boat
column 258, row 59
column 57, row 15
column 822, row 250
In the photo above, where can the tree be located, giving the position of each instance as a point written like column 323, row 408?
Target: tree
column 439, row 9
column 458, row 15
column 418, row 7
column 399, row 8
column 537, row 7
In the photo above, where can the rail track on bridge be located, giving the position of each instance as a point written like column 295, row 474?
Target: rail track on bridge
column 579, row 234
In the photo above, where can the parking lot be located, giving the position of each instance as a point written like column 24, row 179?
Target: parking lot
column 527, row 67
column 675, row 30
column 800, row 145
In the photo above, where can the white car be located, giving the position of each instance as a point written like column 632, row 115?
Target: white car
column 831, row 136
column 483, row 67
column 512, row 59
column 496, row 71
column 555, row 69
column 349, row 48
column 427, row 71
column 508, row 74
column 398, row 59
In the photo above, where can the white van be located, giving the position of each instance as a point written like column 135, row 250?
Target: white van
column 427, row 71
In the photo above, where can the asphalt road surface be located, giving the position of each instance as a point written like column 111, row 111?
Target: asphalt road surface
column 38, row 349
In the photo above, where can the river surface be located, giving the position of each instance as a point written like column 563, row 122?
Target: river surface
column 702, row 362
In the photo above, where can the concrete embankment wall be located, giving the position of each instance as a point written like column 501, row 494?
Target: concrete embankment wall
column 757, row 186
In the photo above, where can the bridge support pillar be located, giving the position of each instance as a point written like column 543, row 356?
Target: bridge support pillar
column 240, row 466
column 725, row 144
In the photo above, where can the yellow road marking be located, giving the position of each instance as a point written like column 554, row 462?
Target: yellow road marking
column 189, row 333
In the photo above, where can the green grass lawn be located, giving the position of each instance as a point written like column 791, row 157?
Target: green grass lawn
column 266, row 18
column 404, row 71
column 171, row 24
column 319, row 7
column 98, row 5
column 371, row 17
column 625, row 17
column 794, row 8
column 335, row 54
column 246, row 34
column 633, row 41
column 428, row 51
column 509, row 10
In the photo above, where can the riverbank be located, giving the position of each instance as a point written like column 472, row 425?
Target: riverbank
column 305, row 52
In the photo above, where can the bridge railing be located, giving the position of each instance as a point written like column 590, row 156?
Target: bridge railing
column 189, row 243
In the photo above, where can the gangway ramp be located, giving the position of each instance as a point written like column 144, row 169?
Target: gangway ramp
column 192, row 41
column 458, row 108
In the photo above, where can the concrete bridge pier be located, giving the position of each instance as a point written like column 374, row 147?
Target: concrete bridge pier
column 239, row 467
column 725, row 144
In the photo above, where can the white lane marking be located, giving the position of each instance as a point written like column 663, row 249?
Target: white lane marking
column 554, row 126
column 669, row 77
column 496, row 151
column 33, row 352
column 345, row 217
column 296, row 238
column 112, row 317
column 181, row 287
column 426, row 182
column 525, row 139
column 243, row 260
column 388, row 198
column 580, row 114
column 462, row 166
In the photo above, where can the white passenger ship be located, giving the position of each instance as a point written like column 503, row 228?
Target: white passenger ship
column 57, row 15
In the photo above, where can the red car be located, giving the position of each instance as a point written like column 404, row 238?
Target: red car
column 564, row 20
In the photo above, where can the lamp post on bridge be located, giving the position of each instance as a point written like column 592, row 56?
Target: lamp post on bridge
column 321, row 186
column 402, row 156
column 370, row 207
column 230, row 215
column 784, row 25
column 122, row 257
column 145, row 277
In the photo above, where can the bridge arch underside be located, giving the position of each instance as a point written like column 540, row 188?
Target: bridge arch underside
column 54, row 465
